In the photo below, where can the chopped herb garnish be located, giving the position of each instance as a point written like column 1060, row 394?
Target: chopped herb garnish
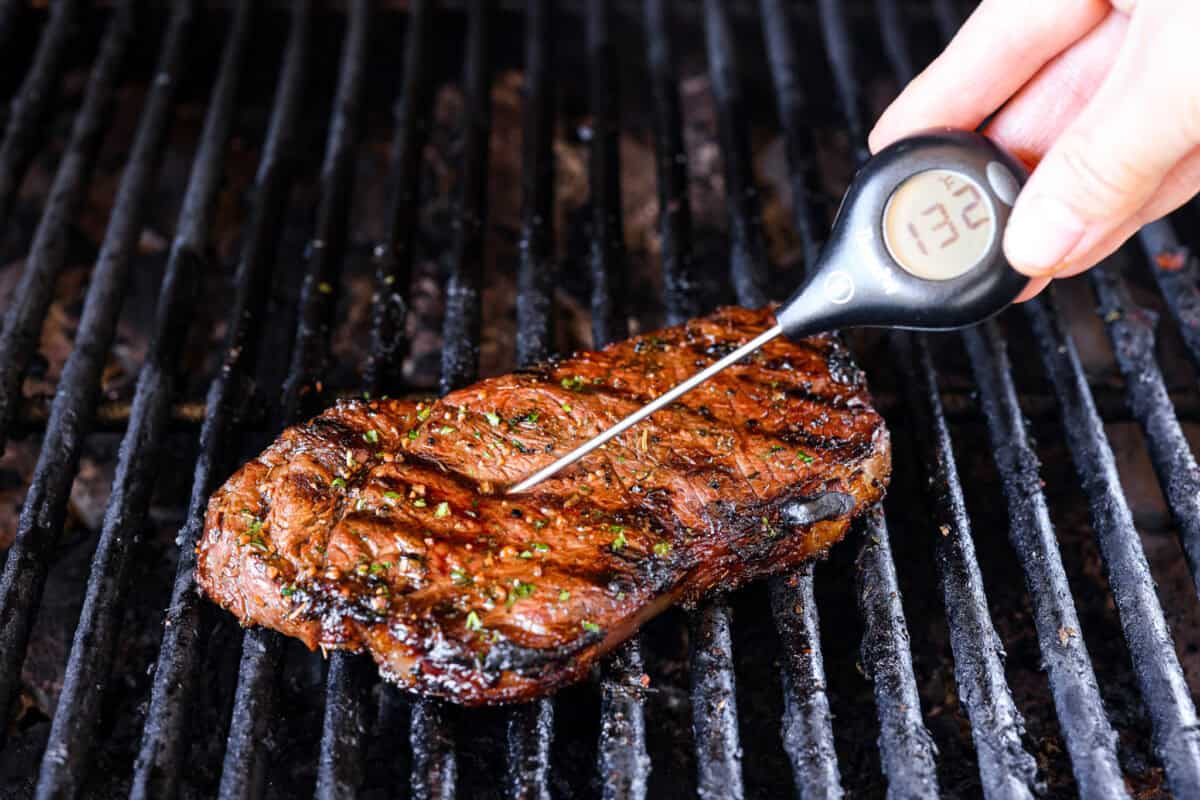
column 324, row 288
column 519, row 592
column 492, row 417
column 540, row 547
column 442, row 510
column 803, row 456
column 413, row 434
column 379, row 566
column 424, row 413
column 662, row 548
column 392, row 495
column 538, row 524
column 619, row 542
column 460, row 578
column 531, row 417
column 445, row 430
column 526, row 554
column 564, row 596
column 288, row 590
column 775, row 448
column 338, row 483
column 420, row 503
column 574, row 384
column 616, row 528
column 372, row 436
column 566, row 407
column 360, row 505
column 255, row 527
column 473, row 623
column 590, row 626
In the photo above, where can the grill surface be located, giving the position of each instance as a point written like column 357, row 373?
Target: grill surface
column 369, row 143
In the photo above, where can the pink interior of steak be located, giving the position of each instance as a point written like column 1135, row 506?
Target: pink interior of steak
column 384, row 524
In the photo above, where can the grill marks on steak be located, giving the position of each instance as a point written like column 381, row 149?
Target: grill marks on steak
column 384, row 526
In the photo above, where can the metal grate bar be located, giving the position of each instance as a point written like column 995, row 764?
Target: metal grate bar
column 623, row 762
column 536, row 269
column 1091, row 741
column 681, row 288
column 906, row 748
column 530, row 729
column 1006, row 770
column 461, row 331
column 164, row 738
column 797, row 135
column 607, row 263
column 530, row 736
column 714, row 701
column 394, row 255
column 747, row 254
column 31, row 297
column 1177, row 272
column 807, row 722
column 1131, row 330
column 28, row 111
column 340, row 764
column 839, row 49
column 90, row 664
column 255, row 702
column 42, row 513
column 435, row 762
column 1176, row 730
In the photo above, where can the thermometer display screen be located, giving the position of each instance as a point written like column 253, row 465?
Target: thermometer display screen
column 938, row 224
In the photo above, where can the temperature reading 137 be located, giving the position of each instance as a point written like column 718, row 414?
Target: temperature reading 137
column 938, row 224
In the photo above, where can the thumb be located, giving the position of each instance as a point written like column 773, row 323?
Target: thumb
column 1108, row 164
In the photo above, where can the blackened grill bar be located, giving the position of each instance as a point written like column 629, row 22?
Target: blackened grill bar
column 905, row 745
column 1006, row 769
column 44, row 510
column 623, row 749
column 255, row 703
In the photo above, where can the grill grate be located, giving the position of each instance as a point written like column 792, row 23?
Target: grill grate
column 622, row 748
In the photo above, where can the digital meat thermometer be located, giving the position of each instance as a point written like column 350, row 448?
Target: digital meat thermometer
column 916, row 245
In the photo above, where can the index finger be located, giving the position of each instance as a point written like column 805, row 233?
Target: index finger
column 999, row 49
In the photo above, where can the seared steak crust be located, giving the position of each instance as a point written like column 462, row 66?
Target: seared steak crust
column 383, row 525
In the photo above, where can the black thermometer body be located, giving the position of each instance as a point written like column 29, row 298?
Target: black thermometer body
column 917, row 241
column 916, row 245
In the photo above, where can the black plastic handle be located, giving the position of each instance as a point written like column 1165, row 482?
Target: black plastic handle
column 857, row 282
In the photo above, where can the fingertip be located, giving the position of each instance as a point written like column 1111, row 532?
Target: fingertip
column 1034, row 288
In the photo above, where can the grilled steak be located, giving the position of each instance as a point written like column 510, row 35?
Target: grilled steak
column 383, row 525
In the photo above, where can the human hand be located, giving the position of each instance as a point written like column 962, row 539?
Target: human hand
column 1103, row 97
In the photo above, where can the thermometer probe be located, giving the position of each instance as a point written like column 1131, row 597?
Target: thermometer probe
column 916, row 245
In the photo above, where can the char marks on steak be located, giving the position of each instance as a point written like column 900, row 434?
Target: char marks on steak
column 383, row 525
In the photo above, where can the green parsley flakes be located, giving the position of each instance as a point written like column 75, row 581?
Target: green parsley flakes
column 564, row 596
column 338, row 483
column 662, row 548
column 519, row 591
column 492, row 417
column 619, row 543
column 288, row 590
column 360, row 504
column 589, row 626
column 372, row 436
column 413, row 434
column 574, row 384
column 445, row 430
column 420, row 503
column 803, row 456
column 473, row 622
column 424, row 413
column 566, row 407
column 442, row 510
column 392, row 495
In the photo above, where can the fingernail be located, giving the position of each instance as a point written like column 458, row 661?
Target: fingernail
column 1042, row 232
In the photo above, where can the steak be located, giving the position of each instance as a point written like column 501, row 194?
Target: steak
column 383, row 526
